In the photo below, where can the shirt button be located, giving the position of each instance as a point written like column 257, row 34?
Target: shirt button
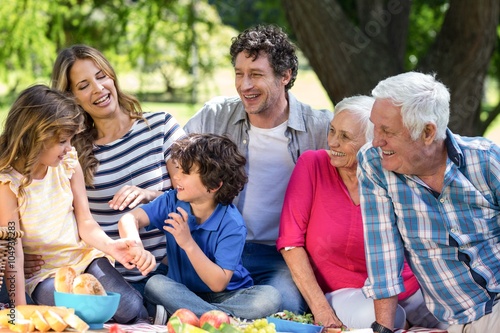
column 441, row 200
column 244, row 142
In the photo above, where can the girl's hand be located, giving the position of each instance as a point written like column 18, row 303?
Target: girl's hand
column 178, row 227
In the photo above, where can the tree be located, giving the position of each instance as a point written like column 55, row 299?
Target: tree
column 183, row 40
column 352, row 45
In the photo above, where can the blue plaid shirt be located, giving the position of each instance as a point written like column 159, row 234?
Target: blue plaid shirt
column 451, row 239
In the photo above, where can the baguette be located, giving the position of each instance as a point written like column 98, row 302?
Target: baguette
column 9, row 315
column 76, row 323
column 28, row 309
column 55, row 321
column 39, row 321
column 22, row 326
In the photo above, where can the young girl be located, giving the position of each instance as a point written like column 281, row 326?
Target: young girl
column 42, row 192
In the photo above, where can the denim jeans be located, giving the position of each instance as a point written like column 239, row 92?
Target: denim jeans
column 267, row 267
column 248, row 303
column 4, row 295
column 140, row 285
column 131, row 307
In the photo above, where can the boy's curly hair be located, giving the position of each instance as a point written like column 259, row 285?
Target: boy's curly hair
column 218, row 161
column 271, row 40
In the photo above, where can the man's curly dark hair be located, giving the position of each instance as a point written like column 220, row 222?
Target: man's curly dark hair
column 218, row 161
column 272, row 40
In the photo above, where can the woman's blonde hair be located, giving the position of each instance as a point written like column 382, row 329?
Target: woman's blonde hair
column 39, row 118
column 84, row 141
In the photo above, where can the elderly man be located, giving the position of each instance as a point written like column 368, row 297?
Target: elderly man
column 433, row 197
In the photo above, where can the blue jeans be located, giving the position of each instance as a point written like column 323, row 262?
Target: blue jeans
column 141, row 284
column 248, row 303
column 4, row 295
column 267, row 267
column 131, row 306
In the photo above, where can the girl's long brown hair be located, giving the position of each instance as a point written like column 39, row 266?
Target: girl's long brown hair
column 39, row 118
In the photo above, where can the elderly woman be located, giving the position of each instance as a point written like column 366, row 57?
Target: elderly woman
column 321, row 232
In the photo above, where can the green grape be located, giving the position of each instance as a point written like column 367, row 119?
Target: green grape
column 260, row 326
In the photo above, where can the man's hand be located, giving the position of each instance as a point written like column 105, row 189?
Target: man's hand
column 32, row 264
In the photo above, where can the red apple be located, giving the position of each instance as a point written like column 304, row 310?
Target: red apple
column 214, row 318
column 185, row 316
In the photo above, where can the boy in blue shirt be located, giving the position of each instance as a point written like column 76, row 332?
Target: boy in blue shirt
column 205, row 234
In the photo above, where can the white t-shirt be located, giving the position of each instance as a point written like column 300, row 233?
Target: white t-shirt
column 269, row 167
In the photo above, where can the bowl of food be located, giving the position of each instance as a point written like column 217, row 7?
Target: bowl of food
column 288, row 322
column 95, row 310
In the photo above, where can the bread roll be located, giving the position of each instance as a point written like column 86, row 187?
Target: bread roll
column 63, row 281
column 87, row 284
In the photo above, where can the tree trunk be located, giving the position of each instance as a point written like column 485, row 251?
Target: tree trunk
column 460, row 56
column 351, row 58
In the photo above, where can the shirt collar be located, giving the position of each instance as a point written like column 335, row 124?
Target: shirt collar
column 454, row 152
column 212, row 223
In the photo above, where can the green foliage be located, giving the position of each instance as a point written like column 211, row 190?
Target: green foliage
column 242, row 14
column 426, row 19
column 184, row 40
column 25, row 45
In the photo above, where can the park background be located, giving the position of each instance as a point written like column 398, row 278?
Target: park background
column 173, row 54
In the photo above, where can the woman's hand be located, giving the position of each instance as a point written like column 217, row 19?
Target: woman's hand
column 327, row 318
column 32, row 264
column 130, row 196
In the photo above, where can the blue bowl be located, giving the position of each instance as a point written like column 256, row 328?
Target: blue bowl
column 95, row 310
column 283, row 325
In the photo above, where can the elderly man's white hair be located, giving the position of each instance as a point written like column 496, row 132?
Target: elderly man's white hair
column 423, row 100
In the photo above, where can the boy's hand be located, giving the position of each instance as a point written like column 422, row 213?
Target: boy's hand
column 177, row 226
column 144, row 260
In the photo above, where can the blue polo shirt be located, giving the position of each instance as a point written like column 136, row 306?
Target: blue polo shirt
column 221, row 237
